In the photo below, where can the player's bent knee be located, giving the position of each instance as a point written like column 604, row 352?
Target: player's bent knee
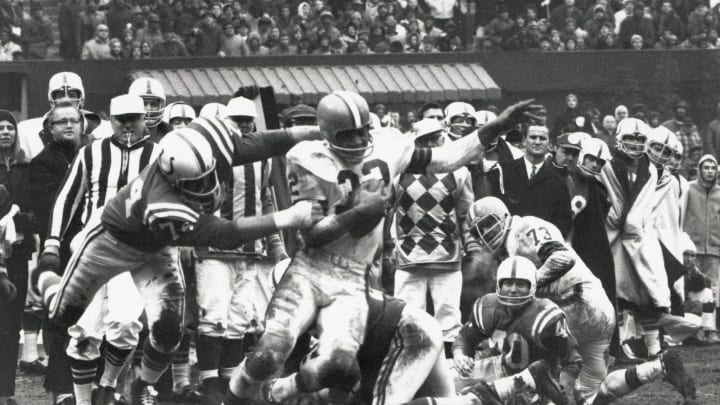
column 340, row 369
column 420, row 330
column 167, row 330
column 262, row 364
column 123, row 335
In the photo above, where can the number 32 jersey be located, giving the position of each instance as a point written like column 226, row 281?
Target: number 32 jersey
column 315, row 173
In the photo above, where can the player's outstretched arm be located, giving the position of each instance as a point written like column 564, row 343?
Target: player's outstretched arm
column 367, row 210
column 454, row 155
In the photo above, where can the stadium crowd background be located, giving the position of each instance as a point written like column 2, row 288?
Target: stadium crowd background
column 124, row 29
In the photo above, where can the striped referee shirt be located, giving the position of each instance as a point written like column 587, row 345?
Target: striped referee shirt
column 98, row 172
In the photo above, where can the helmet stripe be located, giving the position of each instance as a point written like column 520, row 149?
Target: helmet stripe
column 513, row 271
column 196, row 152
column 352, row 106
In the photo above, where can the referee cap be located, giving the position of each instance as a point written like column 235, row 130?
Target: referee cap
column 127, row 104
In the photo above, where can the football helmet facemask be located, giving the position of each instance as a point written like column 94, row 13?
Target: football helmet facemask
column 631, row 136
column 658, row 145
column 66, row 86
column 489, row 223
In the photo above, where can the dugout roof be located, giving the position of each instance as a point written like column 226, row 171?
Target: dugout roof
column 379, row 83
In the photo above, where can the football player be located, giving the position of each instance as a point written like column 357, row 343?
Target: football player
column 564, row 278
column 460, row 120
column 153, row 94
column 169, row 204
column 62, row 86
column 327, row 280
column 179, row 114
column 640, row 277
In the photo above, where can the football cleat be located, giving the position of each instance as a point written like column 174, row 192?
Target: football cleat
column 143, row 393
column 676, row 375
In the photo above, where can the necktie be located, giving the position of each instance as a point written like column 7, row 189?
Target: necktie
column 533, row 172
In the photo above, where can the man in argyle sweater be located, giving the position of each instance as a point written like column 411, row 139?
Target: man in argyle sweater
column 430, row 213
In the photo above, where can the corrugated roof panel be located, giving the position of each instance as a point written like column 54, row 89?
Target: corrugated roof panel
column 378, row 83
column 456, row 76
column 377, row 87
column 407, row 93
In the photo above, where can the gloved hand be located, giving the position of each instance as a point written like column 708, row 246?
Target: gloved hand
column 250, row 92
column 463, row 364
column 49, row 260
column 7, row 289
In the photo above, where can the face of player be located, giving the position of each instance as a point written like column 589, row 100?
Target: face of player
column 537, row 146
column 566, row 157
column 593, row 164
column 513, row 287
column 708, row 171
column 8, row 135
column 65, row 125
column 128, row 128
column 434, row 140
column 462, row 125
column 67, row 94
column 180, row 122
column 245, row 124
column 634, row 145
column 356, row 140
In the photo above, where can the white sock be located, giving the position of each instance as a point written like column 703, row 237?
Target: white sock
column 283, row 389
column 111, row 374
column 151, row 376
column 180, row 376
column 61, row 397
column 507, row 386
column 649, row 371
column 652, row 341
column 30, row 352
column 83, row 394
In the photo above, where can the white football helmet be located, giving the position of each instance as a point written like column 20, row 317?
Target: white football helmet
column 179, row 110
column 344, row 111
column 517, row 268
column 150, row 90
column 464, row 116
column 212, row 110
column 62, row 85
column 187, row 162
column 677, row 157
column 598, row 150
column 482, row 117
column 489, row 222
column 659, row 143
column 631, row 135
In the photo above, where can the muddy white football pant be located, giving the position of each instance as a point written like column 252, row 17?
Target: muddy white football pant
column 445, row 289
column 229, row 297
column 115, row 313
column 415, row 357
column 156, row 275
column 320, row 287
column 591, row 321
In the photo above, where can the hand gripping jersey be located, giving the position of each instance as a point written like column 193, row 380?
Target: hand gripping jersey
column 149, row 214
column 538, row 331
column 316, row 173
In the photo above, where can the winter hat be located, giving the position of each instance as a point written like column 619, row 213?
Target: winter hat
column 6, row 115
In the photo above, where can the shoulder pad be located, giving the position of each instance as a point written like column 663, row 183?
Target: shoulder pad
column 169, row 212
column 315, row 157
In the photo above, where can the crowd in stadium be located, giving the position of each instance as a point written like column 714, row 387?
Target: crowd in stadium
column 475, row 257
column 123, row 29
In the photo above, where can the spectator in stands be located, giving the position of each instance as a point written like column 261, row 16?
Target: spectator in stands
column 37, row 34
column 70, row 25
column 9, row 50
column 152, row 34
column 560, row 14
column 145, row 50
column 181, row 18
column 284, row 47
column 170, row 47
column 441, row 10
column 350, row 36
column 668, row 20
column 210, row 36
column 500, row 26
column 430, row 30
column 637, row 24
column 303, row 15
column 116, row 49
column 699, row 22
column 90, row 18
column 622, row 14
column 621, row 112
column 607, row 131
column 98, row 47
column 254, row 47
column 393, row 30
column 691, row 140
column 636, row 42
column 562, row 122
column 119, row 14
column 593, row 25
column 232, row 44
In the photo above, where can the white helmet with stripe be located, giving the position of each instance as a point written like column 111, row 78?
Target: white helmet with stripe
column 460, row 119
column 66, row 86
column 677, row 157
column 516, row 268
column 179, row 111
column 187, row 162
column 483, row 117
column 212, row 110
column 153, row 94
column 489, row 223
column 631, row 135
column 598, row 151
column 343, row 112
column 659, row 142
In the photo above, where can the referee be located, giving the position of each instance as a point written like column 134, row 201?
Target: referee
column 98, row 172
